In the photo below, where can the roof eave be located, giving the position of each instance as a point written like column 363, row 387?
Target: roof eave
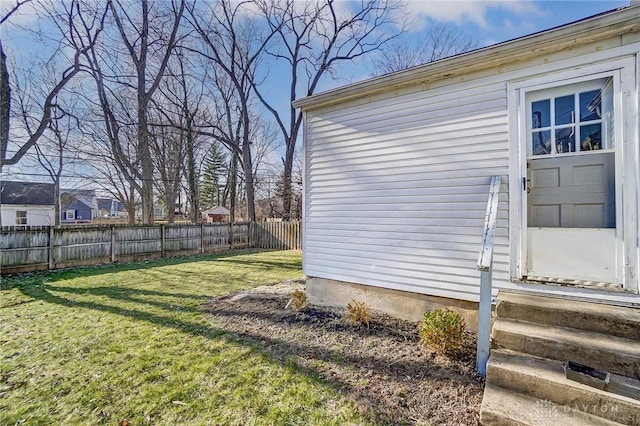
column 572, row 35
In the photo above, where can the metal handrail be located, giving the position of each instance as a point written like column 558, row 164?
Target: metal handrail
column 485, row 266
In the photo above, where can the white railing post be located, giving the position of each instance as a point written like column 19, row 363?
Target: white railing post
column 485, row 266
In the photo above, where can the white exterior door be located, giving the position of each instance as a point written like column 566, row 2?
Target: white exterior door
column 571, row 227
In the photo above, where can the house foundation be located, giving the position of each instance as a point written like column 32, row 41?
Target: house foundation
column 401, row 304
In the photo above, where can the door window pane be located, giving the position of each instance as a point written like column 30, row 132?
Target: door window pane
column 541, row 142
column 607, row 115
column 590, row 106
column 565, row 140
column 541, row 114
column 591, row 137
column 570, row 119
column 564, row 110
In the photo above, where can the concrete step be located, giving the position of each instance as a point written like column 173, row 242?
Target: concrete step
column 609, row 353
column 504, row 407
column 595, row 317
column 545, row 379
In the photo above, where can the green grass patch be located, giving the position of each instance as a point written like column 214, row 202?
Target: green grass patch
column 98, row 345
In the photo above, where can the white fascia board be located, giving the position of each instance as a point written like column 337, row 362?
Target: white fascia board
column 586, row 31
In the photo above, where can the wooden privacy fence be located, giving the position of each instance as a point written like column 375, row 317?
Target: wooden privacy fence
column 48, row 247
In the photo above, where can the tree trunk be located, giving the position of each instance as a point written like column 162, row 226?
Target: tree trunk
column 5, row 106
column 56, row 201
column 171, row 211
column 144, row 155
column 233, row 184
column 130, row 205
column 194, row 197
column 248, row 180
column 286, row 187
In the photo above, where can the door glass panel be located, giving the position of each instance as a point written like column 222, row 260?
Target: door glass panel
column 565, row 140
column 564, row 113
column 607, row 115
column 541, row 114
column 590, row 106
column 541, row 142
column 591, row 137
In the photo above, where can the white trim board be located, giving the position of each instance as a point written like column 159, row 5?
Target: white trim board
column 577, row 293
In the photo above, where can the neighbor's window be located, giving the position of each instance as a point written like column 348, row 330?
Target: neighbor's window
column 71, row 214
column 21, row 217
column 571, row 119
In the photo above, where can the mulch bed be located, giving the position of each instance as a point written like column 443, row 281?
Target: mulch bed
column 383, row 368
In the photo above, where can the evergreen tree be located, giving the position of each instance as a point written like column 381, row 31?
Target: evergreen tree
column 214, row 169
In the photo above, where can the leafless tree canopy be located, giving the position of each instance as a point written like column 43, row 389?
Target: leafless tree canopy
column 145, row 90
column 437, row 41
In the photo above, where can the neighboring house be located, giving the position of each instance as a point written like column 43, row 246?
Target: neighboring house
column 216, row 214
column 27, row 203
column 110, row 208
column 78, row 205
column 397, row 168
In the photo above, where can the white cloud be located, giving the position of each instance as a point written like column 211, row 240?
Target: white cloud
column 466, row 11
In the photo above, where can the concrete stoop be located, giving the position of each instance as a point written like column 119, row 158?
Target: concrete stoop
column 532, row 339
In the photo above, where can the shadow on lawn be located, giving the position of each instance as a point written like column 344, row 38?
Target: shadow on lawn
column 129, row 295
column 283, row 351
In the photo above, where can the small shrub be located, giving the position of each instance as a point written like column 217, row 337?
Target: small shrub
column 299, row 300
column 443, row 330
column 358, row 313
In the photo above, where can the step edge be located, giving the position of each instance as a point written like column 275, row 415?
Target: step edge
column 542, row 404
column 553, row 370
column 617, row 343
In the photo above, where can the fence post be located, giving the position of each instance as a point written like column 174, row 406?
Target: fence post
column 201, row 237
column 50, row 252
column 162, row 240
column 230, row 235
column 113, row 244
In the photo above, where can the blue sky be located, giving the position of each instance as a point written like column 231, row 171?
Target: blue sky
column 488, row 21
column 492, row 22
column 499, row 21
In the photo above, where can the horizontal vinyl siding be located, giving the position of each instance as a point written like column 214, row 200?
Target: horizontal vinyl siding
column 396, row 190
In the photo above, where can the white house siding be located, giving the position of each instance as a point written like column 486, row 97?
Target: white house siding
column 396, row 184
column 36, row 215
column 396, row 190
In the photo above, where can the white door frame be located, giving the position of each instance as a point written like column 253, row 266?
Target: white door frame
column 627, row 154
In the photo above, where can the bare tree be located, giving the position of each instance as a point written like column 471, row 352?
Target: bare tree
column 168, row 151
column 5, row 90
column 63, row 16
column 132, row 66
column 56, row 152
column 438, row 41
column 103, row 169
column 184, row 108
column 235, row 44
column 313, row 38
